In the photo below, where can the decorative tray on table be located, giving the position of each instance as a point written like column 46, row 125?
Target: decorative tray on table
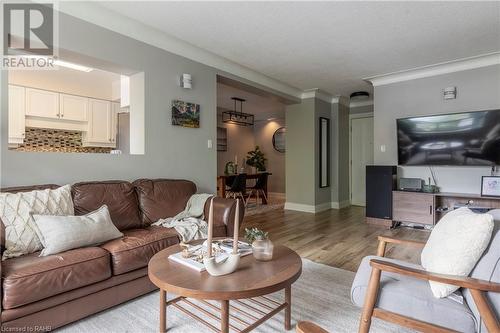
column 192, row 255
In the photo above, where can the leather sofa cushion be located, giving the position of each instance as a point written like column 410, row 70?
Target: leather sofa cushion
column 161, row 198
column 31, row 278
column 134, row 250
column 119, row 196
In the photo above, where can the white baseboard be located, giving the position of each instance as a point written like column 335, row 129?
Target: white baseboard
column 307, row 208
column 341, row 204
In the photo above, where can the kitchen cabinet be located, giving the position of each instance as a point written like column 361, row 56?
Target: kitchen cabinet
column 115, row 109
column 42, row 103
column 101, row 129
column 73, row 108
column 16, row 120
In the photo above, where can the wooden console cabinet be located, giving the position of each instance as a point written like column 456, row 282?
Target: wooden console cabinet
column 413, row 207
column 428, row 208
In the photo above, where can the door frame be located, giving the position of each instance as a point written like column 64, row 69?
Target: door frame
column 351, row 117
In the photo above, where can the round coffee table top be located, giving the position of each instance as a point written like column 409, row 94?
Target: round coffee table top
column 252, row 278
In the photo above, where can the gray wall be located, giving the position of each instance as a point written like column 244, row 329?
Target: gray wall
column 300, row 153
column 275, row 164
column 340, row 154
column 171, row 152
column 240, row 140
column 322, row 109
column 361, row 109
column 302, row 156
column 477, row 89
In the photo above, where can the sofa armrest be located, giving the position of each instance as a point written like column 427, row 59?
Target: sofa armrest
column 224, row 213
column 384, row 240
column 460, row 281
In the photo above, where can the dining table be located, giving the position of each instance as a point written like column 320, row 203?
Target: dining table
column 222, row 182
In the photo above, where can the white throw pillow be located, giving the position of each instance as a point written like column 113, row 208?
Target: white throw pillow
column 455, row 245
column 16, row 210
column 63, row 233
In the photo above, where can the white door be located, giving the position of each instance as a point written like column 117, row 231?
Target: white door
column 16, row 118
column 361, row 156
column 73, row 108
column 99, row 130
column 42, row 103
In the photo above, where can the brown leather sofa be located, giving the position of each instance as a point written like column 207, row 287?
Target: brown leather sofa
column 43, row 293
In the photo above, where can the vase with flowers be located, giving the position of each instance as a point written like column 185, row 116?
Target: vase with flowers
column 262, row 246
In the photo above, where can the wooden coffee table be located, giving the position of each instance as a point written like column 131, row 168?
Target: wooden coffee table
column 246, row 287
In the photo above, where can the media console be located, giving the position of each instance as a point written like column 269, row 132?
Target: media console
column 427, row 208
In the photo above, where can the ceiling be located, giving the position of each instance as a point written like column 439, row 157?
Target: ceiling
column 261, row 107
column 327, row 45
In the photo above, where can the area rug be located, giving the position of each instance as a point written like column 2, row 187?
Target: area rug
column 321, row 295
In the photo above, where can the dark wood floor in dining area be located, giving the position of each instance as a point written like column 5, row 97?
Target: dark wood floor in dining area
column 338, row 238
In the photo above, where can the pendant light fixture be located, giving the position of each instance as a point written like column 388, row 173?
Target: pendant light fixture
column 238, row 117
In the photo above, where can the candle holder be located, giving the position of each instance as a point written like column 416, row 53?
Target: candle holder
column 230, row 264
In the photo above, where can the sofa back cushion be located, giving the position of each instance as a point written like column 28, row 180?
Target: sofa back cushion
column 488, row 269
column 162, row 198
column 16, row 211
column 17, row 190
column 118, row 195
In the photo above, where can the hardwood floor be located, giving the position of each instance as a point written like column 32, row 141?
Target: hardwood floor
column 338, row 238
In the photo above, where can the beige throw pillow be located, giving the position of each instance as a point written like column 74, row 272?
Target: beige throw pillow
column 63, row 233
column 16, row 210
column 455, row 245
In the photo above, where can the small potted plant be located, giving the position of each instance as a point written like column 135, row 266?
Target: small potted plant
column 262, row 246
column 256, row 159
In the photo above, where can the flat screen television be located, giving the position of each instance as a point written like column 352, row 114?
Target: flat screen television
column 468, row 138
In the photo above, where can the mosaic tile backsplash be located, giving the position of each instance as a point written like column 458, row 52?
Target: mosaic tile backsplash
column 52, row 140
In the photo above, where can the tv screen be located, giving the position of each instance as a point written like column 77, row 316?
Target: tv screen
column 469, row 138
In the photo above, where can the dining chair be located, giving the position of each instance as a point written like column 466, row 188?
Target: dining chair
column 259, row 188
column 238, row 187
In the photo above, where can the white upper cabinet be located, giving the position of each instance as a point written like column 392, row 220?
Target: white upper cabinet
column 101, row 130
column 74, row 108
column 97, row 119
column 16, row 120
column 42, row 103
column 115, row 109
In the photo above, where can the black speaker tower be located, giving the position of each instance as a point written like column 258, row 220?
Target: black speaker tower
column 381, row 180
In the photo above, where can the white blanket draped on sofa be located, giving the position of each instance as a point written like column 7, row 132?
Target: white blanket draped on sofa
column 190, row 222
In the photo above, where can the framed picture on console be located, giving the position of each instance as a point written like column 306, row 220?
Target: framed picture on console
column 490, row 186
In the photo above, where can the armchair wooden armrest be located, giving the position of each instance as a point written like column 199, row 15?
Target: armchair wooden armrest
column 477, row 288
column 384, row 240
column 460, row 281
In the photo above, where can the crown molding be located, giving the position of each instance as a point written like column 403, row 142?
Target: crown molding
column 458, row 65
column 93, row 13
column 317, row 93
column 360, row 104
column 324, row 96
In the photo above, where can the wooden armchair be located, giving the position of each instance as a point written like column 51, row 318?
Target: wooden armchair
column 482, row 296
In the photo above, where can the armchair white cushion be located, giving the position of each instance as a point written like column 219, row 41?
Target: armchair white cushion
column 455, row 246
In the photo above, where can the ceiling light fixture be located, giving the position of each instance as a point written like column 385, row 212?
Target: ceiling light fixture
column 359, row 96
column 238, row 117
